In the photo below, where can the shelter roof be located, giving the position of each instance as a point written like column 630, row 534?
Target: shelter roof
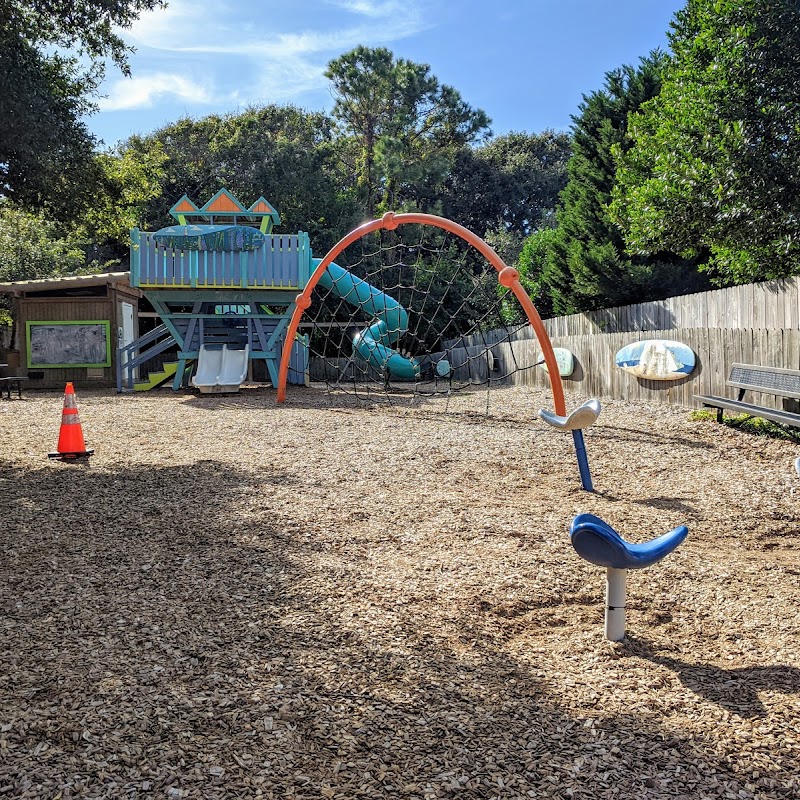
column 67, row 282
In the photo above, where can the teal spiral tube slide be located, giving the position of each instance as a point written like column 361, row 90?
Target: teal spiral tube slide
column 374, row 343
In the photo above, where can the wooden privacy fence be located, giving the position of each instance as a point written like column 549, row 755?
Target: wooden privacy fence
column 773, row 305
column 757, row 323
column 753, row 324
column 715, row 349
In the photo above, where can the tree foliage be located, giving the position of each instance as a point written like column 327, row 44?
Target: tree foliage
column 129, row 181
column 286, row 154
column 34, row 247
column 83, row 25
column 405, row 126
column 512, row 182
column 46, row 150
column 587, row 266
column 532, row 263
column 714, row 166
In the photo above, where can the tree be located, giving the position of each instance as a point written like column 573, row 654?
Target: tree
column 129, row 181
column 33, row 247
column 504, row 189
column 404, row 125
column 512, row 181
column 587, row 266
column 713, row 168
column 531, row 264
column 286, row 154
column 46, row 150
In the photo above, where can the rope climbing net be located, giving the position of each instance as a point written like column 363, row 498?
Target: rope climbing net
column 412, row 311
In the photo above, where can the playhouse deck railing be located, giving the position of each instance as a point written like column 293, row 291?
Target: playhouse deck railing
column 284, row 262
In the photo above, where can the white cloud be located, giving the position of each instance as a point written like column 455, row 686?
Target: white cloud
column 142, row 91
column 195, row 28
column 179, row 21
column 370, row 8
column 253, row 53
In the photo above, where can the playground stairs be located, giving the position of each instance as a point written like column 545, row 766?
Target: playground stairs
column 159, row 377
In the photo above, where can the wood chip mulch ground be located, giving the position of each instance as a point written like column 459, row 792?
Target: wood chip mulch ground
column 236, row 599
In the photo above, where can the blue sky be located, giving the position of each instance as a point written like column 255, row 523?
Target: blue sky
column 525, row 62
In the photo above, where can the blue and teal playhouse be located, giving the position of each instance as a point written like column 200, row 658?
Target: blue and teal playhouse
column 218, row 280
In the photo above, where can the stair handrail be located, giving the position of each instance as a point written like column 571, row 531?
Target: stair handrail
column 126, row 382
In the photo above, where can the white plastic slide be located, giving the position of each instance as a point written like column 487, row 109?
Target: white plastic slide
column 220, row 370
column 234, row 368
column 208, row 366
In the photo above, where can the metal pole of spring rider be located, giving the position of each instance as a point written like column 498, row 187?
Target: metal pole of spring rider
column 615, row 604
column 583, row 461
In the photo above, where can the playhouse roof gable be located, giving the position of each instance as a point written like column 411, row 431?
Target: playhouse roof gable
column 183, row 206
column 223, row 202
column 264, row 208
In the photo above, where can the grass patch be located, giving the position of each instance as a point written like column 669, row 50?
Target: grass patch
column 753, row 425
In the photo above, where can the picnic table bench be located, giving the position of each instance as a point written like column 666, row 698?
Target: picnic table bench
column 9, row 382
column 755, row 378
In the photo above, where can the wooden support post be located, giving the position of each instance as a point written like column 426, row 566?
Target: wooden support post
column 177, row 381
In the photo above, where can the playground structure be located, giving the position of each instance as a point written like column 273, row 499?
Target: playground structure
column 420, row 305
column 454, row 287
column 598, row 543
column 581, row 417
column 230, row 292
column 224, row 286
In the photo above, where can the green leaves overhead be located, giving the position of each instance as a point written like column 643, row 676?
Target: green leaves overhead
column 46, row 150
column 713, row 169
column 86, row 26
column 34, row 247
column 587, row 266
column 282, row 152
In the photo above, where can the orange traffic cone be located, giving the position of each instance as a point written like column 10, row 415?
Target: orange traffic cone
column 70, row 438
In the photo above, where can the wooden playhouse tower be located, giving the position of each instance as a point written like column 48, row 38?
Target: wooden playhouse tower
column 219, row 280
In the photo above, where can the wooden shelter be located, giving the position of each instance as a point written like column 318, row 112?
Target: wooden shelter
column 69, row 329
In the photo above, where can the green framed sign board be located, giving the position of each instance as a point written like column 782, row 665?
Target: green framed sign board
column 56, row 344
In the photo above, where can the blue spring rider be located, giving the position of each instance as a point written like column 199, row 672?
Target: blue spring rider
column 598, row 543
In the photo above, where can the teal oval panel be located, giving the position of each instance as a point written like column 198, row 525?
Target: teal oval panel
column 230, row 238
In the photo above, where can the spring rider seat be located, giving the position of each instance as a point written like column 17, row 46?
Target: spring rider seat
column 598, row 543
column 582, row 417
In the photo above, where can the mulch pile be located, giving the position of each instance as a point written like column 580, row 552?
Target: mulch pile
column 235, row 599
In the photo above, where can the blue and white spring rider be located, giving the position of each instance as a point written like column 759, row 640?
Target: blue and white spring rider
column 598, row 543
column 582, row 417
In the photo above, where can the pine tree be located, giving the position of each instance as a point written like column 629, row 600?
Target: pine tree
column 587, row 266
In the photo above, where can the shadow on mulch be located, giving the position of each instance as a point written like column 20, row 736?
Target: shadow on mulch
column 666, row 504
column 617, row 433
column 735, row 690
column 163, row 627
